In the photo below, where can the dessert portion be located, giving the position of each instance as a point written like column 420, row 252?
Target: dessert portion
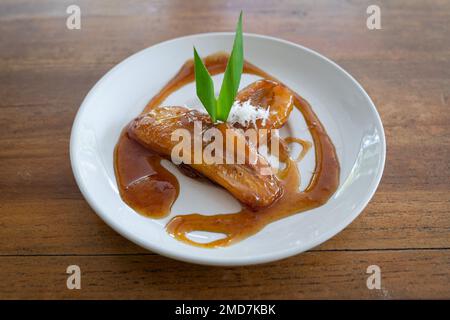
column 238, row 140
column 146, row 186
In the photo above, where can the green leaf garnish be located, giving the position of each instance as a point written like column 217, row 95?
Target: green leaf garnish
column 220, row 109
column 232, row 75
column 205, row 86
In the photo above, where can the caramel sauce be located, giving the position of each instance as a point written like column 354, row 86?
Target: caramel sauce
column 144, row 184
column 306, row 146
column 150, row 189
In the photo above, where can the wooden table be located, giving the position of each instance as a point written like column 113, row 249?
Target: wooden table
column 46, row 225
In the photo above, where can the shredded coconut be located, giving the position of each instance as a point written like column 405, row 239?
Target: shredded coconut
column 245, row 113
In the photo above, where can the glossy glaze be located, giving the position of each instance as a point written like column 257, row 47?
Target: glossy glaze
column 138, row 178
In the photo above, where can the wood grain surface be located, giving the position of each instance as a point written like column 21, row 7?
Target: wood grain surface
column 46, row 225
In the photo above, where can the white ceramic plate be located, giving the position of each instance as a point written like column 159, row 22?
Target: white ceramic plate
column 342, row 105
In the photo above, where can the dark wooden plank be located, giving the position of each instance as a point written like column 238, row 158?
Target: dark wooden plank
column 404, row 274
column 68, row 226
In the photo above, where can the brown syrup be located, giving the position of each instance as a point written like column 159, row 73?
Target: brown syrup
column 151, row 190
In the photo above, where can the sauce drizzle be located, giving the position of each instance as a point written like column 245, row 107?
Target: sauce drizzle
column 151, row 190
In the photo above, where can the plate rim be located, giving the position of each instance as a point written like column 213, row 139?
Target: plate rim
column 235, row 261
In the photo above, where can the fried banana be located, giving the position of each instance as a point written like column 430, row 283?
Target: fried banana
column 249, row 182
column 271, row 96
